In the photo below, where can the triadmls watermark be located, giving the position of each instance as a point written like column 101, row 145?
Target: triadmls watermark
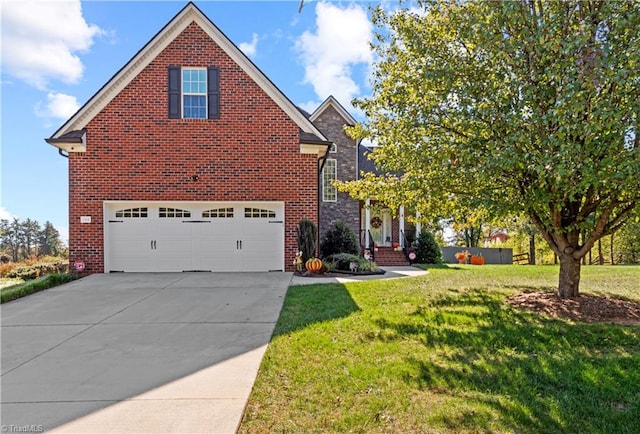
column 22, row 428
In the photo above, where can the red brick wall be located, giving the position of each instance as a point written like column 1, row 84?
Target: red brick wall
column 135, row 152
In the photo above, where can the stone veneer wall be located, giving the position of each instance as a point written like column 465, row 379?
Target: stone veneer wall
column 332, row 124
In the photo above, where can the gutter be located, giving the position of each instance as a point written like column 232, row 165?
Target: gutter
column 320, row 167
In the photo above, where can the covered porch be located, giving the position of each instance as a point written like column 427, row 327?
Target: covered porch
column 386, row 236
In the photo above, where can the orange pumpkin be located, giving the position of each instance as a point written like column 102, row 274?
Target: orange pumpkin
column 477, row 260
column 314, row 265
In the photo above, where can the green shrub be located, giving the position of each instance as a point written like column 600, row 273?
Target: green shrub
column 342, row 262
column 307, row 239
column 427, row 249
column 30, row 272
column 24, row 289
column 339, row 239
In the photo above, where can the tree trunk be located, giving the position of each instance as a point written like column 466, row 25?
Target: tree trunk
column 532, row 249
column 613, row 262
column 600, row 256
column 569, row 281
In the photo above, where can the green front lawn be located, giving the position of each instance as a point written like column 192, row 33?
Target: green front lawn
column 444, row 353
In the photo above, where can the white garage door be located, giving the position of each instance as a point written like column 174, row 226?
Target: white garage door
column 194, row 236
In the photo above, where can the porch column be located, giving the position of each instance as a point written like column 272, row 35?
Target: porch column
column 401, row 226
column 367, row 222
column 418, row 224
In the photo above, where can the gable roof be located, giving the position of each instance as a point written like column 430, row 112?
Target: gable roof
column 74, row 127
column 331, row 101
column 364, row 163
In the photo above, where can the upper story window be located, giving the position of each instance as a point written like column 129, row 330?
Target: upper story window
column 329, row 174
column 333, row 148
column 194, row 93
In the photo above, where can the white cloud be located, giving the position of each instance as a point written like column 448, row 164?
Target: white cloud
column 41, row 39
column 5, row 214
column 250, row 48
column 58, row 105
column 339, row 43
column 309, row 106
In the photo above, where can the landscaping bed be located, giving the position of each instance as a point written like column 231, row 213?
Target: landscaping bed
column 339, row 273
column 588, row 307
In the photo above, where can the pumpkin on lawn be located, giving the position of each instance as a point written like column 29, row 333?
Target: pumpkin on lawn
column 314, row 265
column 477, row 260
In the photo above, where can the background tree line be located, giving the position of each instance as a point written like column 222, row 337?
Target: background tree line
column 20, row 240
column 620, row 247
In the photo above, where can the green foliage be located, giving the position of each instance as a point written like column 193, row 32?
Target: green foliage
column 24, row 239
column 29, row 272
column 27, row 288
column 427, row 249
column 49, row 240
column 627, row 243
column 339, row 239
column 307, row 239
column 509, row 106
column 342, row 262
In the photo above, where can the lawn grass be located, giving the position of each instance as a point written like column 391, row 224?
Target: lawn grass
column 14, row 292
column 10, row 281
column 444, row 353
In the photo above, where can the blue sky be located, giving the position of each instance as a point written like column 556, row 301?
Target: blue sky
column 56, row 55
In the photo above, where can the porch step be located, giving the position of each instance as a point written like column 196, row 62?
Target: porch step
column 388, row 256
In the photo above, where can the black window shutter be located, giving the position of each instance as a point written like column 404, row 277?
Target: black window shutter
column 213, row 92
column 175, row 110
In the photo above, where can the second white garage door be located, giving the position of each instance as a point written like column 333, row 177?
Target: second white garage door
column 194, row 236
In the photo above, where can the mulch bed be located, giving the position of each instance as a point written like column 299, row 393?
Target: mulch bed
column 587, row 308
column 337, row 274
column 310, row 274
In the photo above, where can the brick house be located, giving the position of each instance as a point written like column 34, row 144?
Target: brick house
column 189, row 158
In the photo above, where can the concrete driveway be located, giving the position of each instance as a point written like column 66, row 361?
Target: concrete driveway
column 140, row 352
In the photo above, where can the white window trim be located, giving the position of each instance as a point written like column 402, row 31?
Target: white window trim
column 333, row 149
column 335, row 162
column 183, row 93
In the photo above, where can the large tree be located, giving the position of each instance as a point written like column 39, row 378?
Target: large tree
column 49, row 240
column 525, row 106
column 10, row 237
column 31, row 233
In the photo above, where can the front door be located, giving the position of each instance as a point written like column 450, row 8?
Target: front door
column 380, row 225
